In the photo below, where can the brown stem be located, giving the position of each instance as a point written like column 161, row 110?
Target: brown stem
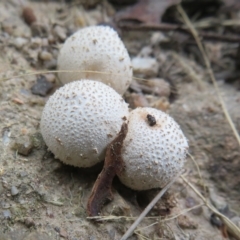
column 175, row 27
column 113, row 164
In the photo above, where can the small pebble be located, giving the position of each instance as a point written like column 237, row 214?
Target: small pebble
column 215, row 220
column 157, row 38
column 29, row 222
column 45, row 56
column 42, row 87
column 6, row 134
column 50, row 77
column 23, row 174
column 63, row 233
column 7, row 214
column 145, row 52
column 19, row 42
column 36, row 42
column 23, row 146
column 28, row 15
column 145, row 67
column 51, row 64
column 60, row 32
column 51, row 39
column 14, row 191
column 5, row 205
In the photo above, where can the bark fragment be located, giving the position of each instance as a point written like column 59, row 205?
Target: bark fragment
column 113, row 165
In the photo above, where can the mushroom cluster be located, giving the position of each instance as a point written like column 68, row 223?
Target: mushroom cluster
column 82, row 118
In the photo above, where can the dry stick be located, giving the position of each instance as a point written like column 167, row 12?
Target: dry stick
column 148, row 208
column 209, row 69
column 232, row 228
column 65, row 71
column 56, row 71
column 113, row 165
column 199, row 172
column 176, row 27
column 113, row 218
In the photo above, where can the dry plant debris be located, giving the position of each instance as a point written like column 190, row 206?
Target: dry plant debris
column 113, row 165
column 38, row 195
column 146, row 11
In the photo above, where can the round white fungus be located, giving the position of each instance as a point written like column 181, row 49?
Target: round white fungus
column 80, row 119
column 154, row 149
column 99, row 49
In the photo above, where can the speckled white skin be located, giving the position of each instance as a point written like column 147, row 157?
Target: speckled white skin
column 80, row 119
column 153, row 155
column 96, row 48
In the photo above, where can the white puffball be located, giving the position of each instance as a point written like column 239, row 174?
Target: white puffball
column 152, row 153
column 80, row 119
column 96, row 48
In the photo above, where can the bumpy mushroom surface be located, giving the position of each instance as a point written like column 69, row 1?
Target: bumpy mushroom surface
column 154, row 149
column 99, row 49
column 80, row 119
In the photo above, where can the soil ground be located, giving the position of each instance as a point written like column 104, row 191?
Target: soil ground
column 41, row 198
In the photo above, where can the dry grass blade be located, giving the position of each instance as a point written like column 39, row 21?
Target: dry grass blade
column 209, row 69
column 148, row 208
column 181, row 213
column 31, row 73
column 199, row 172
column 231, row 227
column 126, row 218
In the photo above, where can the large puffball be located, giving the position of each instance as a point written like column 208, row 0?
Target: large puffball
column 80, row 119
column 99, row 49
column 154, row 149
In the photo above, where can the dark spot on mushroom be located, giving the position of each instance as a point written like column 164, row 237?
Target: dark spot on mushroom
column 151, row 120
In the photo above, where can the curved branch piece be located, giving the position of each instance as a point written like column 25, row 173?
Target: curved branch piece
column 113, row 164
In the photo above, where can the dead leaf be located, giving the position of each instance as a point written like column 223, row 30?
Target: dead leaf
column 146, row 11
column 113, row 165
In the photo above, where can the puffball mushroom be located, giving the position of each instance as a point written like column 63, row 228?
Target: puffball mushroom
column 154, row 149
column 80, row 119
column 99, row 49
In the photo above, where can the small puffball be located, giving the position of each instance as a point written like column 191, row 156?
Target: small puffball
column 154, row 149
column 80, row 119
column 99, row 49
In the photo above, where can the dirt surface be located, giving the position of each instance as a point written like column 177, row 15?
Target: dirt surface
column 41, row 198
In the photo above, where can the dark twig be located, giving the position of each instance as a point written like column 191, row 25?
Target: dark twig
column 113, row 165
column 175, row 27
